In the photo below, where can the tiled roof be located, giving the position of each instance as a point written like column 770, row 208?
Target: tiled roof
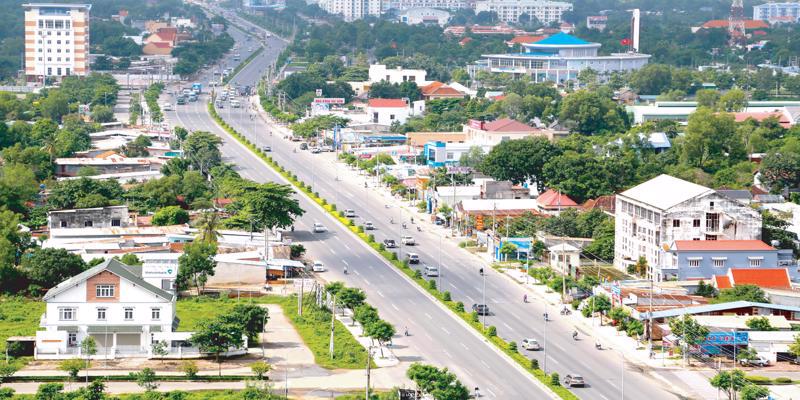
column 722, row 245
column 387, row 103
column 551, row 198
column 605, row 203
column 525, row 39
column 722, row 282
column 777, row 278
column 507, row 125
column 161, row 45
column 439, row 89
column 760, row 116
column 723, row 23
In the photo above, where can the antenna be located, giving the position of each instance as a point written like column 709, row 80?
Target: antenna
column 736, row 28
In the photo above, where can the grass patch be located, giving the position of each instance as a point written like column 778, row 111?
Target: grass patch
column 18, row 317
column 314, row 326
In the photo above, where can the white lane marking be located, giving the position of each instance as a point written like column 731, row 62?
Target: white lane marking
column 448, row 354
column 603, row 396
column 559, row 347
column 371, row 266
column 356, row 272
column 508, row 326
column 464, row 346
column 491, row 392
column 553, row 360
column 428, row 315
column 347, row 247
column 334, row 253
column 471, row 300
column 365, row 280
column 345, row 262
column 466, row 371
column 395, row 307
column 485, row 364
column 445, row 331
column 379, row 292
column 428, row 336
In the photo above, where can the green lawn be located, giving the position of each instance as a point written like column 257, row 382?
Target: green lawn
column 18, row 317
column 313, row 327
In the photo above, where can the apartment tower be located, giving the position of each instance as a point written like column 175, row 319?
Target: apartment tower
column 56, row 40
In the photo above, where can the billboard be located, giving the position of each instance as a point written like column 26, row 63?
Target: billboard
column 329, row 100
column 726, row 339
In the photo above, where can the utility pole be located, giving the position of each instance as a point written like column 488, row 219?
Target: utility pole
column 369, row 358
column 300, row 298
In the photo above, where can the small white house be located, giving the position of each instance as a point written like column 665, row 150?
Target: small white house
column 564, row 257
column 379, row 72
column 112, row 303
column 387, row 111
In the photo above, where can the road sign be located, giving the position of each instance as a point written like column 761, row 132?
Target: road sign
column 329, row 100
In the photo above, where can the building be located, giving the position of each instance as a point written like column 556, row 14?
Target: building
column 543, row 11
column 705, row 259
column 418, row 139
column 452, row 195
column 775, row 11
column 492, row 189
column 440, row 4
column 56, row 40
column 111, row 303
column 161, row 41
column 439, row 90
column 565, row 258
column 652, row 215
column 749, row 24
column 787, row 112
column 105, row 164
column 488, row 134
column 598, row 22
column 352, row 10
column 441, row 154
column 560, row 58
column 100, row 217
column 765, row 278
column 502, row 29
column 387, row 111
column 379, row 72
column 425, row 16
column 552, row 202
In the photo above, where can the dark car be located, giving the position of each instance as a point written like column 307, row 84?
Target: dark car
column 481, row 309
column 389, row 243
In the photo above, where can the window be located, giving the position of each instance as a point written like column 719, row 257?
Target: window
column 49, row 69
column 115, row 222
column 59, row 24
column 696, row 223
column 104, row 290
column 48, row 24
column 72, row 339
column 68, row 69
column 41, row 23
column 719, row 262
column 676, row 223
column 59, row 74
column 63, row 224
column 155, row 314
column 66, row 314
column 57, row 41
column 87, row 224
column 67, row 24
column 128, row 313
column 101, row 314
column 755, row 262
column 66, row 42
column 391, row 117
column 695, row 262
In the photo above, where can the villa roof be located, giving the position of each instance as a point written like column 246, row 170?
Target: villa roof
column 777, row 278
column 722, row 245
column 552, row 198
column 387, row 103
column 131, row 274
column 723, row 23
column 507, row 125
column 665, row 191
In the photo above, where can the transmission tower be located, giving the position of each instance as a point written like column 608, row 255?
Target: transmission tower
column 736, row 29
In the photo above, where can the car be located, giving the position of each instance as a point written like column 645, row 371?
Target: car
column 235, row 104
column 413, row 258
column 481, row 309
column 319, row 228
column 327, row 148
column 267, row 149
column 220, row 104
column 431, row 270
column 407, row 240
column 531, row 344
column 350, row 213
column 758, row 361
column 318, row 266
column 369, row 226
column 167, row 107
column 573, row 380
column 192, row 97
column 315, row 150
column 303, row 146
column 389, row 243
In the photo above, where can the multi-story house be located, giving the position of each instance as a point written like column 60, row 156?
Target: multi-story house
column 777, row 12
column 56, row 40
column 352, row 10
column 651, row 216
column 98, row 217
column 704, row 259
column 113, row 304
column 543, row 11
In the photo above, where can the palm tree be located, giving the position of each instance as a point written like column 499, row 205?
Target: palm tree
column 208, row 226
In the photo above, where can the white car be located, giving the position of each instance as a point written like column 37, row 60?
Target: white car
column 369, row 226
column 318, row 266
column 531, row 344
column 167, row 107
column 319, row 228
column 407, row 240
column 350, row 213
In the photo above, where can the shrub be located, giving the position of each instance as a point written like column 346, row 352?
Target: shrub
column 534, row 363
column 446, row 296
column 352, row 222
column 333, row 207
column 361, row 229
column 381, row 246
column 474, row 316
column 575, row 304
column 758, row 380
column 341, row 214
column 417, row 274
column 316, row 194
column 491, row 331
column 371, row 238
column 324, row 202
column 432, row 284
column 512, row 346
column 190, row 369
column 260, row 369
column 783, row 380
column 394, row 256
column 405, row 263
column 460, row 306
column 462, row 244
column 555, row 380
column 171, row 215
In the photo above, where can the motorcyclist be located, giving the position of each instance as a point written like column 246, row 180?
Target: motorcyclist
column 481, row 271
column 574, row 335
column 345, row 270
column 546, row 318
column 525, row 298
column 391, row 220
column 404, row 225
column 405, row 332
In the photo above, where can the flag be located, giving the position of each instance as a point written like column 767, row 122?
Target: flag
column 625, row 42
column 394, row 45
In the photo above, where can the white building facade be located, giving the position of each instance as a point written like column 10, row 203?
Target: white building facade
column 111, row 303
column 379, row 72
column 352, row 10
column 428, row 16
column 651, row 216
column 56, row 40
column 443, row 4
column 777, row 11
column 509, row 10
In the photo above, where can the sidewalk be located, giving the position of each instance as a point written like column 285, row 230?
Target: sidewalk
column 382, row 355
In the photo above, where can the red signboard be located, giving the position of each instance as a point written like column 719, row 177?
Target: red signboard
column 329, row 100
column 475, row 124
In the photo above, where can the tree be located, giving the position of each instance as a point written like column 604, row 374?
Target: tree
column 473, row 158
column 72, row 366
column 592, row 113
column 690, row 332
column 196, row 264
column 519, row 160
column 190, row 369
column 7, row 369
column 365, row 314
column 707, row 98
column 102, row 114
column 780, row 170
column 753, row 392
column 734, row 100
column 742, row 292
column 439, row 383
column 251, row 317
column 49, row 267
column 598, row 304
column 88, row 349
column 49, row 391
column 71, row 193
column 381, row 331
column 172, row 215
column 159, row 348
column 272, row 205
column 18, row 185
column 759, row 324
column 729, row 382
column 54, row 106
column 202, row 148
column 146, row 379
column 260, row 369
column 641, row 268
column 138, row 148
column 94, row 391
column 508, row 249
column 652, row 79
column 704, row 289
column 13, row 242
column 208, row 225
column 711, row 141
column 217, row 337
column 351, row 297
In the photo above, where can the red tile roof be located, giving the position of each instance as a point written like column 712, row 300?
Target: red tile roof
column 722, row 282
column 723, row 23
column 161, row 45
column 464, row 41
column 440, row 89
column 777, row 278
column 167, row 34
column 507, row 125
column 605, row 203
column 525, row 39
column 760, row 116
column 387, row 103
column 551, row 198
column 722, row 245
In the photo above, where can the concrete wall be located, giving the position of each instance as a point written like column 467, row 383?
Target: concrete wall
column 99, row 217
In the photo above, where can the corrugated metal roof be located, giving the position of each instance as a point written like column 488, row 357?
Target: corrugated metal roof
column 717, row 307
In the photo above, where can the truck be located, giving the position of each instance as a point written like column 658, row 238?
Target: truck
column 197, row 87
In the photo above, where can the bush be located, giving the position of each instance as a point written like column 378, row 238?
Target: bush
column 417, row 274
column 171, row 215
column 462, row 244
column 341, row 214
column 475, row 317
column 512, row 346
column 324, row 202
column 575, row 304
column 333, row 207
column 189, row 368
column 758, row 380
column 394, row 256
column 446, row 296
column 381, row 246
column 316, row 194
column 361, row 229
column 432, row 284
column 371, row 238
column 534, row 363
column 555, row 380
column 491, row 331
column 783, row 380
column 460, row 306
column 405, row 263
column 260, row 369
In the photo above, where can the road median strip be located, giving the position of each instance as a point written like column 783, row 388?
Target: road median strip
column 470, row 319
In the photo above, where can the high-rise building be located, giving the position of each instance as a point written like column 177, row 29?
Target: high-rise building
column 777, row 12
column 352, row 10
column 543, row 11
column 56, row 40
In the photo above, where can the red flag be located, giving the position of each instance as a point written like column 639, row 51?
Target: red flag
column 394, row 45
column 625, row 42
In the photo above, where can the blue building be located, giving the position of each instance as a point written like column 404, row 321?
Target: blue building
column 561, row 57
column 703, row 259
column 441, row 154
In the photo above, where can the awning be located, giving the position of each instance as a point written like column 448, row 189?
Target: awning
column 155, row 328
column 68, row 328
column 114, row 329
